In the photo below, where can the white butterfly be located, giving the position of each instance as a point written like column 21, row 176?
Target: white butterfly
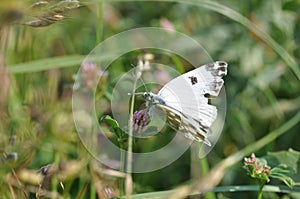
column 185, row 100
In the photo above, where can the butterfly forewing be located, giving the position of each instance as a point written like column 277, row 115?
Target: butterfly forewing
column 187, row 93
column 185, row 101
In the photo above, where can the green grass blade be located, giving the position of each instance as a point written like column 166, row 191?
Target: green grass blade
column 46, row 64
column 242, row 188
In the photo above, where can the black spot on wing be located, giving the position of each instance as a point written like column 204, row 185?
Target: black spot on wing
column 193, row 79
column 217, row 69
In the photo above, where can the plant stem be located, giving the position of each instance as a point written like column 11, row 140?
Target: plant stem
column 204, row 170
column 259, row 195
column 128, row 181
column 99, row 21
column 122, row 161
column 54, row 180
column 260, row 191
column 93, row 191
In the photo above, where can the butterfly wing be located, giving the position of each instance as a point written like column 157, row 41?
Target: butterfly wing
column 187, row 94
column 185, row 124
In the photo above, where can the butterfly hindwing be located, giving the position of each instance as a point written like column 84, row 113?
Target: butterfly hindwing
column 190, row 127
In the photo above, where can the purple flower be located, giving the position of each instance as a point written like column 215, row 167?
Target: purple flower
column 90, row 74
column 166, row 24
column 140, row 120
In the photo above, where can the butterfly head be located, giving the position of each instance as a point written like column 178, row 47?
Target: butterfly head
column 152, row 99
column 148, row 96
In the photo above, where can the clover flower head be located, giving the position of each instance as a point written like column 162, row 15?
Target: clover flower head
column 140, row 120
column 166, row 24
column 90, row 73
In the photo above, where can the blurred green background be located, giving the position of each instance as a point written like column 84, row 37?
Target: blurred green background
column 42, row 51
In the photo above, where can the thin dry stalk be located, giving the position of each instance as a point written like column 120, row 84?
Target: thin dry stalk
column 4, row 88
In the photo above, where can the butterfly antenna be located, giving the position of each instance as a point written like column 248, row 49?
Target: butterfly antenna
column 143, row 82
column 139, row 93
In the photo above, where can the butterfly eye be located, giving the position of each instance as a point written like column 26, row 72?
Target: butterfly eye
column 223, row 66
column 147, row 96
column 221, row 63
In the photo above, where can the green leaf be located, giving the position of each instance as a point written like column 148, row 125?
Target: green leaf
column 122, row 136
column 250, row 169
column 288, row 158
column 262, row 176
column 115, row 128
column 282, row 172
column 286, row 179
column 282, row 169
column 112, row 122
column 285, row 166
column 46, row 64
column 54, row 62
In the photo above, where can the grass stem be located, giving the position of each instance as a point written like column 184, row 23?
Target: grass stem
column 128, row 180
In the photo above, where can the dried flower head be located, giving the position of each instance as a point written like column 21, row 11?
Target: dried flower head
column 47, row 170
column 5, row 84
column 108, row 192
column 11, row 157
column 45, row 13
column 38, row 5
